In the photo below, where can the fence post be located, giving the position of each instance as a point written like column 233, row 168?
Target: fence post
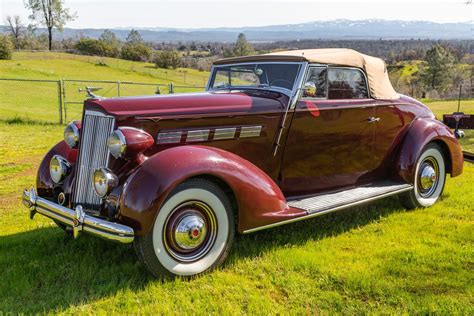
column 171, row 87
column 459, row 97
column 64, row 100
column 60, row 105
column 118, row 88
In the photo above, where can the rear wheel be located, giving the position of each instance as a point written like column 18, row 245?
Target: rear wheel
column 192, row 233
column 430, row 177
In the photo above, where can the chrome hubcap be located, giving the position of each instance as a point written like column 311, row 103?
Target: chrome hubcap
column 428, row 177
column 190, row 231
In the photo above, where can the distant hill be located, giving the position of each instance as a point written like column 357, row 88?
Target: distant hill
column 335, row 29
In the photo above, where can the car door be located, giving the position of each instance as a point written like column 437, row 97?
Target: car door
column 331, row 138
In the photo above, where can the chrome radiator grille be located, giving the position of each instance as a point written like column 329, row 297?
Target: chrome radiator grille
column 93, row 154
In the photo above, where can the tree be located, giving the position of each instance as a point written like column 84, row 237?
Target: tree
column 111, row 43
column 50, row 13
column 6, row 47
column 134, row 48
column 242, row 47
column 16, row 29
column 437, row 73
column 134, row 37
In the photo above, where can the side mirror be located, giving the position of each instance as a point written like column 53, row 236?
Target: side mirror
column 309, row 89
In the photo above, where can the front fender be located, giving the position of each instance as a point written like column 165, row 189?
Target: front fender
column 421, row 132
column 149, row 186
column 44, row 184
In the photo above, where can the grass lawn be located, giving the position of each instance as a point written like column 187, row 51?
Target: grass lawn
column 372, row 259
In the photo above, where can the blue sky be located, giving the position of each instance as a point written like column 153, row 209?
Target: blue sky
column 198, row 14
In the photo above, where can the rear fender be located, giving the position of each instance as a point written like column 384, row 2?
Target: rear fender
column 150, row 185
column 421, row 132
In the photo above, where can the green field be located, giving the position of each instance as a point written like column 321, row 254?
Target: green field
column 377, row 259
column 39, row 100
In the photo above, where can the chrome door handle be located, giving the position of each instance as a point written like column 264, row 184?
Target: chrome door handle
column 372, row 119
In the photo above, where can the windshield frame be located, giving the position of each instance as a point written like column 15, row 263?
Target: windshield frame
column 288, row 92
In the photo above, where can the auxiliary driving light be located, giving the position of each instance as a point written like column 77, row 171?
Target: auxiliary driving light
column 104, row 181
column 58, row 168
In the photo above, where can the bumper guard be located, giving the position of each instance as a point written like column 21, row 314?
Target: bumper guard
column 77, row 219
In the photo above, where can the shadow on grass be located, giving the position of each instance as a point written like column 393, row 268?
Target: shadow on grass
column 44, row 271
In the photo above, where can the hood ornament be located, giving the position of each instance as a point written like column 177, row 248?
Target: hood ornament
column 90, row 92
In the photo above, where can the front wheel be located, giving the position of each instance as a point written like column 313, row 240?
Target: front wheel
column 192, row 233
column 430, row 177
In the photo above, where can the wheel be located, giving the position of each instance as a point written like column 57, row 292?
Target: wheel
column 430, row 177
column 193, row 232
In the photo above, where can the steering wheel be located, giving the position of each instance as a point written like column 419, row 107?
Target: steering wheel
column 283, row 83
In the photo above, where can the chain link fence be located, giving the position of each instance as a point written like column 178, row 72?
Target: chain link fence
column 60, row 101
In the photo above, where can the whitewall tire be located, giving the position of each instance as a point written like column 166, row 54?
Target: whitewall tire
column 430, row 177
column 192, row 233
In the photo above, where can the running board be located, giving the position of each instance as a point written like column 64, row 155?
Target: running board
column 331, row 202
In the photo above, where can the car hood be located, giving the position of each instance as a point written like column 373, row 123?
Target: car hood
column 191, row 103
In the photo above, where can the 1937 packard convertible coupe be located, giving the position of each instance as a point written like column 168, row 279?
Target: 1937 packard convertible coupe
column 275, row 139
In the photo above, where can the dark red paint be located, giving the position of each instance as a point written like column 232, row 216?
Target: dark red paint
column 137, row 142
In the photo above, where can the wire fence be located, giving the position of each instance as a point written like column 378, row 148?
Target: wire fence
column 60, row 101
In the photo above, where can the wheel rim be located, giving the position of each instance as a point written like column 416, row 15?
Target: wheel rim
column 428, row 177
column 190, row 231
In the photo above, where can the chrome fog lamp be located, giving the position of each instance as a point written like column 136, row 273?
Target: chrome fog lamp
column 71, row 134
column 117, row 144
column 104, row 180
column 58, row 168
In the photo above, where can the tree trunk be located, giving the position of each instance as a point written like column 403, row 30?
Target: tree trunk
column 50, row 38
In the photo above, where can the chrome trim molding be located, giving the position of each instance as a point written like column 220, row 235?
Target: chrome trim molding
column 203, row 135
column 77, row 219
column 169, row 137
column 199, row 135
column 330, row 210
column 224, row 133
column 250, row 131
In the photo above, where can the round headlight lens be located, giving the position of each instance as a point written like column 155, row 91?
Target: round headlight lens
column 117, row 144
column 71, row 135
column 104, row 181
column 58, row 168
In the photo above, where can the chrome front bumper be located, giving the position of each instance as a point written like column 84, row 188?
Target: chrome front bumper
column 77, row 219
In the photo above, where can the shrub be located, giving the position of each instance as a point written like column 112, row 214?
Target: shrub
column 167, row 59
column 136, row 52
column 89, row 46
column 6, row 47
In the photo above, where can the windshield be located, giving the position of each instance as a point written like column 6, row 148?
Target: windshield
column 257, row 75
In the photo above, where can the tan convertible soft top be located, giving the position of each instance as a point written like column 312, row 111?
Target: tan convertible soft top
column 379, row 83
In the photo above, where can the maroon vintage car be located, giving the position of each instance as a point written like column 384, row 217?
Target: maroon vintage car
column 275, row 139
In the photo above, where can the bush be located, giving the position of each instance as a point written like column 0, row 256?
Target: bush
column 167, row 59
column 89, row 46
column 136, row 52
column 93, row 47
column 6, row 47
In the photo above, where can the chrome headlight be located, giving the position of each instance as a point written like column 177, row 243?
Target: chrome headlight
column 104, row 181
column 58, row 168
column 71, row 134
column 117, row 144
